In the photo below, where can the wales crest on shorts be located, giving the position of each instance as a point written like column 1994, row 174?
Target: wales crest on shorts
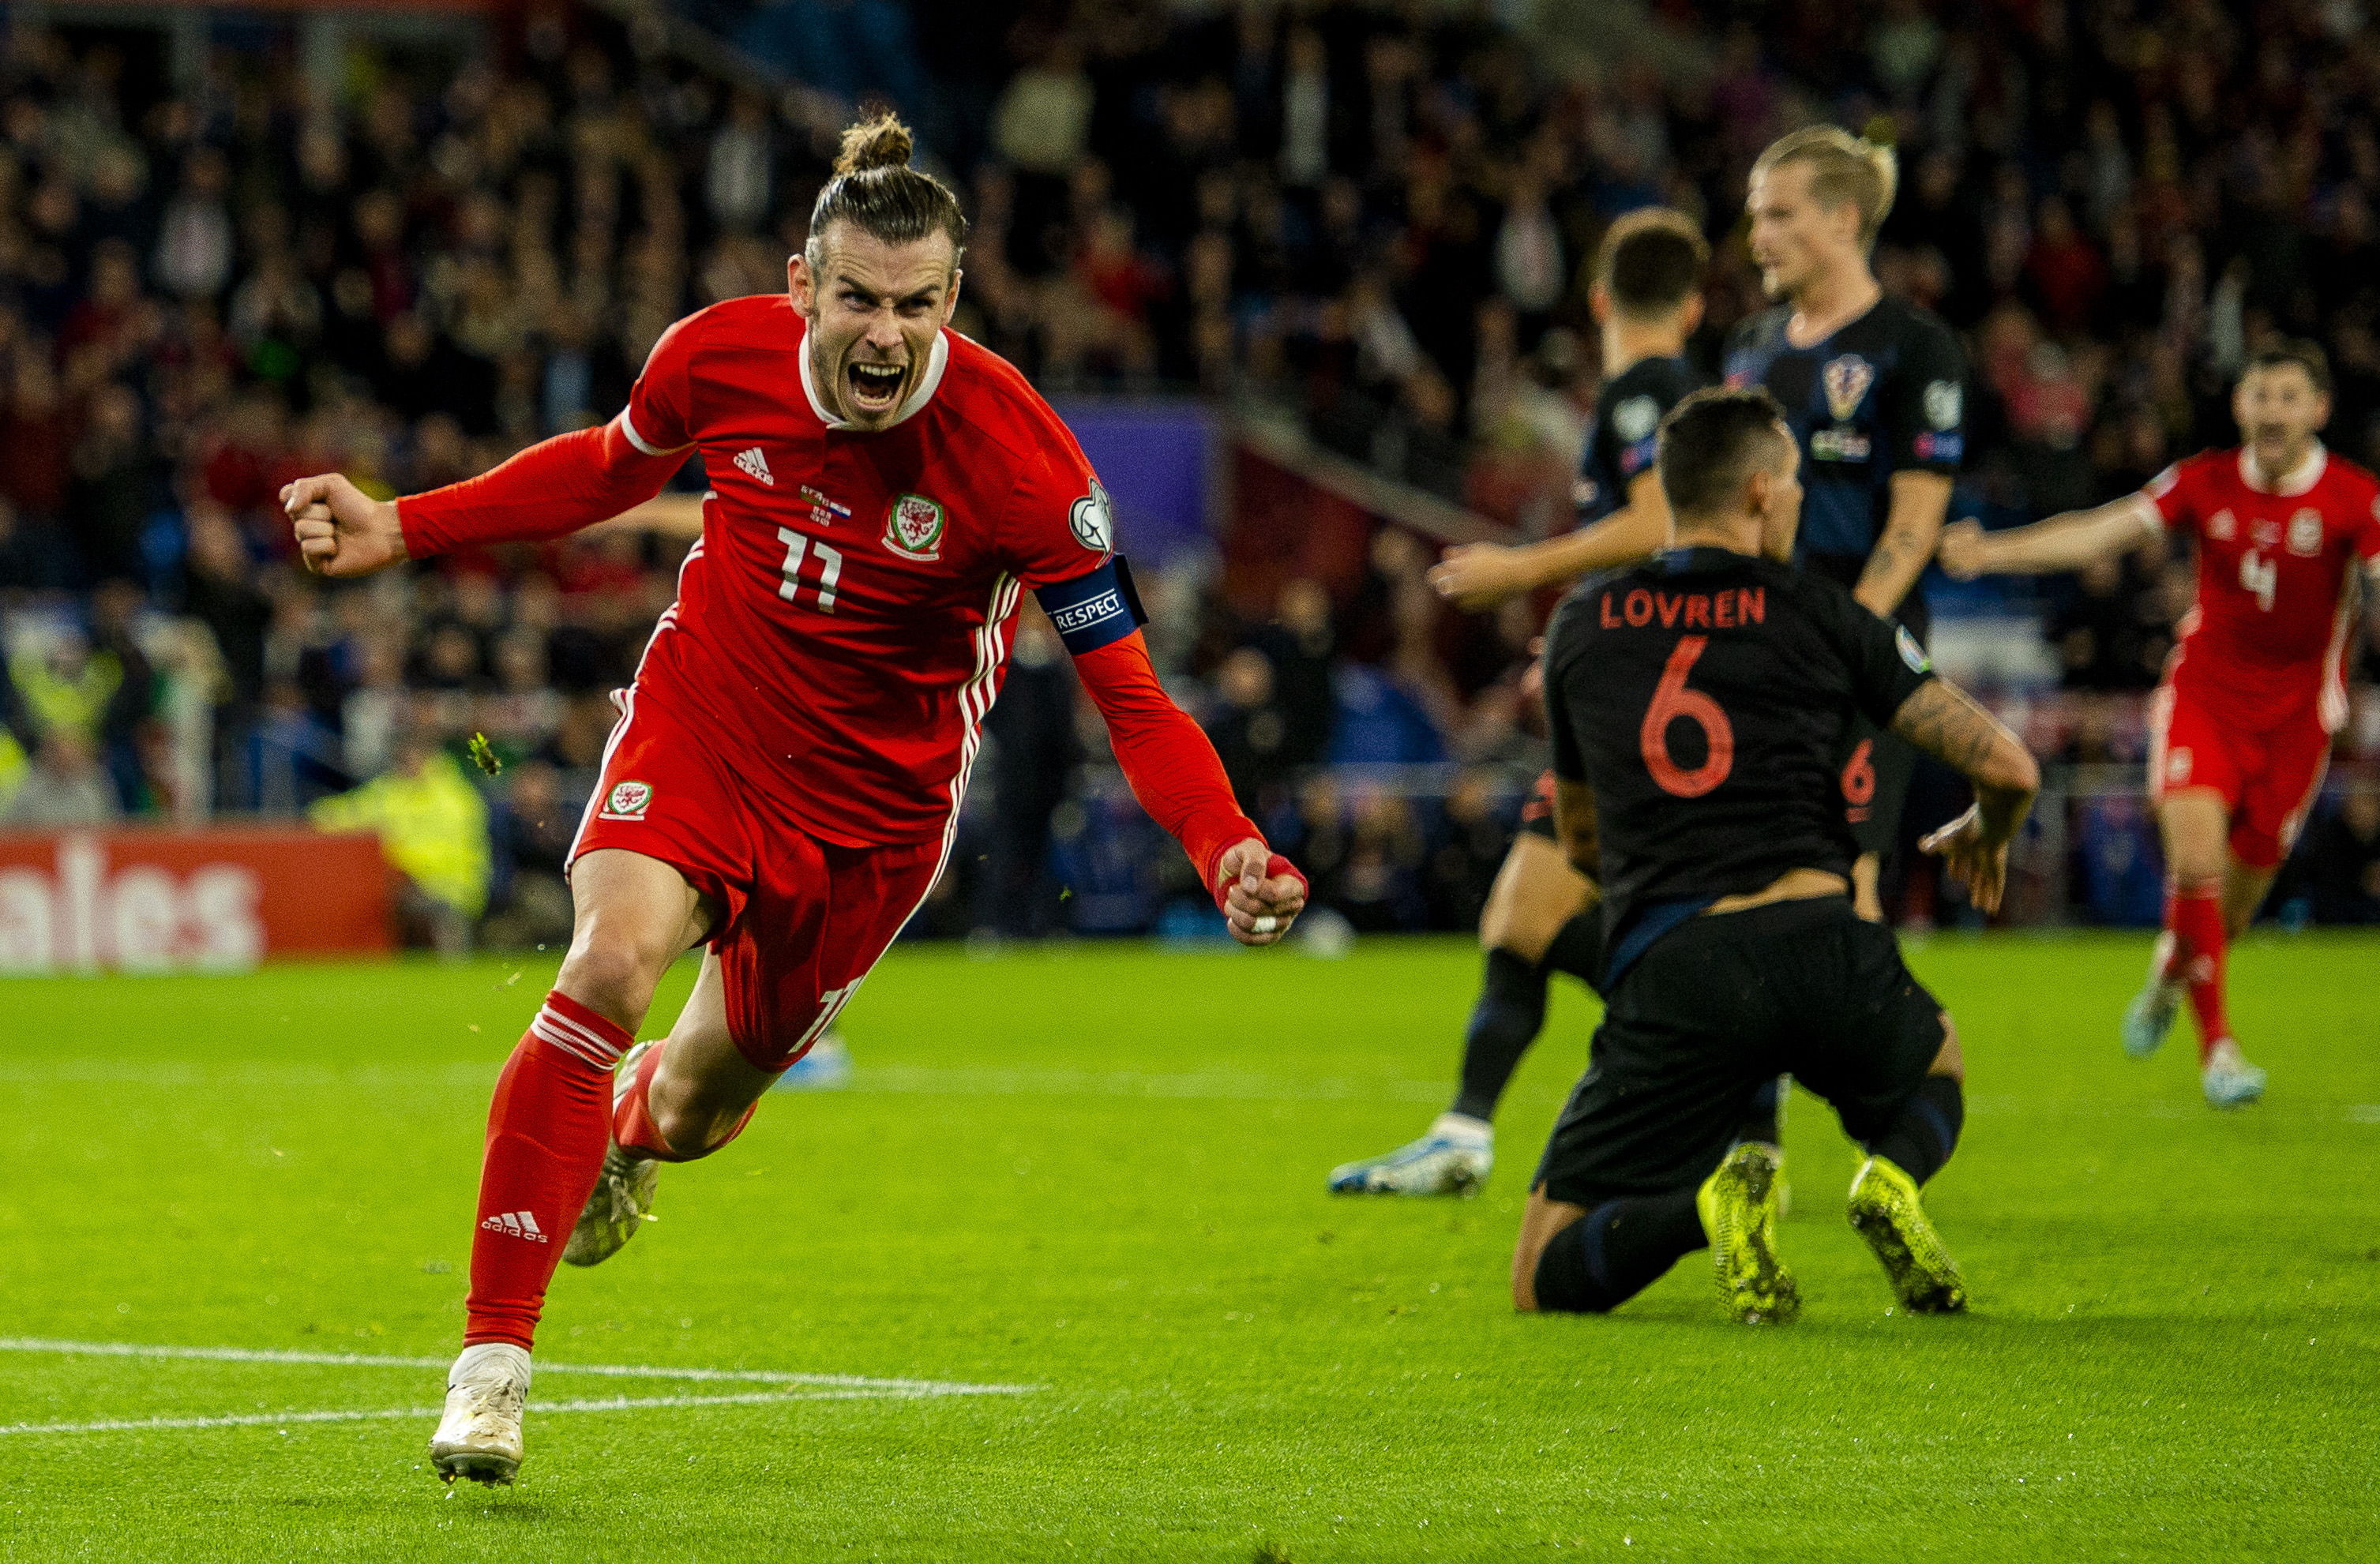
column 627, row 801
column 914, row 529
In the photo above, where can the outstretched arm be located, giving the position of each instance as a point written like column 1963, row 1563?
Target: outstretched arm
column 554, row 487
column 1480, row 575
column 1945, row 721
column 2068, row 541
column 1174, row 773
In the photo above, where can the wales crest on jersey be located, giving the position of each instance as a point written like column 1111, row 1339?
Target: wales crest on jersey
column 914, row 530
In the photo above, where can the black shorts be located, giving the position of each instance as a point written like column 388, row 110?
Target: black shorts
column 1715, row 1011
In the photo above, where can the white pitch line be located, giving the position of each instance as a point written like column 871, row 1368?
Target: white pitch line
column 613, row 1403
column 856, row 1382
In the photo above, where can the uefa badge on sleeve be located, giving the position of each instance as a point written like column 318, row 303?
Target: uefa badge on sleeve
column 1092, row 520
column 914, row 529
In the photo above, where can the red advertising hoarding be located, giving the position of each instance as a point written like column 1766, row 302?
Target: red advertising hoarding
column 213, row 900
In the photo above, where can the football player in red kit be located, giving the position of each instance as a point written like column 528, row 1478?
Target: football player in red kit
column 786, row 775
column 2256, row 685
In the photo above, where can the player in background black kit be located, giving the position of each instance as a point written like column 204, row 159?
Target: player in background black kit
column 1696, row 701
column 1538, row 918
column 1873, row 388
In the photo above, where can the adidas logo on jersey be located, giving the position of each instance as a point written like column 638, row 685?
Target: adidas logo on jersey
column 520, row 1224
column 757, row 465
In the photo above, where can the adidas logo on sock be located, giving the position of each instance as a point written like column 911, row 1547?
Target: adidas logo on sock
column 757, row 465
column 520, row 1224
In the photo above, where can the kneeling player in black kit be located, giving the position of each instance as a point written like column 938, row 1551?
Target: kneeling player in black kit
column 1696, row 701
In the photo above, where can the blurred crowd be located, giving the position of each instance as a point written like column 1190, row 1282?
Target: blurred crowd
column 1372, row 214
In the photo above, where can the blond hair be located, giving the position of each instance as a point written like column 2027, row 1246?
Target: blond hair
column 1843, row 167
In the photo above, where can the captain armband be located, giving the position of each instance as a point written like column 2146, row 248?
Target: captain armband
column 1094, row 611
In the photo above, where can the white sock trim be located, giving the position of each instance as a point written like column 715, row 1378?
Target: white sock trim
column 1463, row 1127
column 483, row 1359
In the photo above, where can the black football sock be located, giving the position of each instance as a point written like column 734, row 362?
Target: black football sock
column 1920, row 1139
column 1577, row 949
column 1616, row 1251
column 1763, row 1119
column 1510, row 1009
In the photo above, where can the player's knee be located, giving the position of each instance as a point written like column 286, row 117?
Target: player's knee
column 612, row 973
column 690, row 1129
column 2255, row 849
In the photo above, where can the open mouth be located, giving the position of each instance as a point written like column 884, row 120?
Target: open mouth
column 874, row 388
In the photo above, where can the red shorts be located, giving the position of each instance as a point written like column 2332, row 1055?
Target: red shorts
column 801, row 920
column 2267, row 780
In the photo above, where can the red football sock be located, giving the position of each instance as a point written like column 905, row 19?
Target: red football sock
column 2195, row 917
column 546, row 1134
column 632, row 1119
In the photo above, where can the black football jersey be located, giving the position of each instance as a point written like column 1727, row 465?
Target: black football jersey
column 1885, row 393
column 1703, row 694
column 1619, row 442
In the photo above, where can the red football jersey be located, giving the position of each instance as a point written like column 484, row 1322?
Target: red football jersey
column 2266, row 641
column 844, row 622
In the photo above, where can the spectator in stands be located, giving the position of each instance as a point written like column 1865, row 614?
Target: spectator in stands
column 2340, row 856
column 1250, row 730
column 432, row 825
column 1032, row 756
column 1366, row 216
column 64, row 786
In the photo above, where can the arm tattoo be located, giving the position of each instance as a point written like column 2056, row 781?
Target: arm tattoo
column 1943, row 720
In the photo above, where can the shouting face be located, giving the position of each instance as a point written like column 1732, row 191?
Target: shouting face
column 874, row 310
column 1796, row 237
column 2280, row 409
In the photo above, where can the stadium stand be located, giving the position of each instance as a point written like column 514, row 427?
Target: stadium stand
column 231, row 257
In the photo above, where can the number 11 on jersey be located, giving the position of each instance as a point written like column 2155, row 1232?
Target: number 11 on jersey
column 830, row 560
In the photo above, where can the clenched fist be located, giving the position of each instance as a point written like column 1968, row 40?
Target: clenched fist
column 1963, row 552
column 341, row 529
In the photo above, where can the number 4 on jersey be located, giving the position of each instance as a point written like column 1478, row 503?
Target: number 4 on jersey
column 2260, row 575
column 1671, row 702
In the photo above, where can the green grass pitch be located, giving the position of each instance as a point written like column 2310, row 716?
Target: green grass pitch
column 1098, row 1173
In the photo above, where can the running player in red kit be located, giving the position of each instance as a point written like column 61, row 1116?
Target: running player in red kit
column 786, row 775
column 2256, row 685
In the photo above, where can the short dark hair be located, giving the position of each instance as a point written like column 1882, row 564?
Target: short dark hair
column 876, row 190
column 1651, row 260
column 2292, row 350
column 1712, row 440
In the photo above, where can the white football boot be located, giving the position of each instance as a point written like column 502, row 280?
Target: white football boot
column 2228, row 1080
column 2150, row 1015
column 1454, row 1158
column 622, row 1197
column 480, row 1438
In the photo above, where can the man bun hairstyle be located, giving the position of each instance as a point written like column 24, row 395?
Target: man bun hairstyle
column 2294, row 350
column 1843, row 168
column 1651, row 261
column 875, row 190
column 1715, row 440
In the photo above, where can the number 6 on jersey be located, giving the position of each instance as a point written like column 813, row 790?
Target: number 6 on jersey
column 1671, row 702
